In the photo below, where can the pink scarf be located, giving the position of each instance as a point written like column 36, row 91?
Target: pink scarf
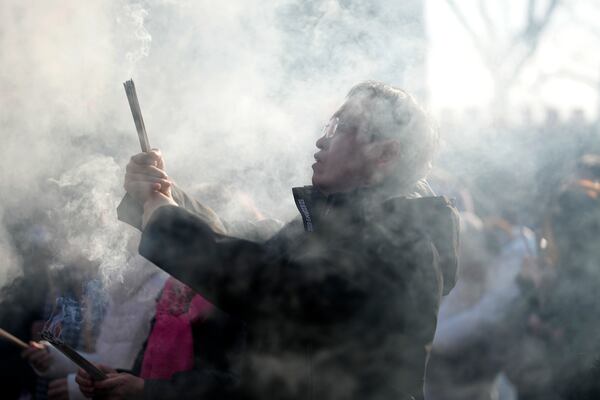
column 170, row 346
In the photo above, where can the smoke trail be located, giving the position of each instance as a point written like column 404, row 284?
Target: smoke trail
column 67, row 311
column 87, row 218
column 140, row 38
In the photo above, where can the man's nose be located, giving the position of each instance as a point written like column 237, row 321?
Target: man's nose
column 322, row 143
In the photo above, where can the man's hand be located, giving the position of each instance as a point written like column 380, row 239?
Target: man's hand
column 118, row 386
column 58, row 389
column 38, row 356
column 86, row 383
column 145, row 174
column 121, row 386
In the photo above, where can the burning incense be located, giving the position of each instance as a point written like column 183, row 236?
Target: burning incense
column 13, row 339
column 94, row 372
column 134, row 104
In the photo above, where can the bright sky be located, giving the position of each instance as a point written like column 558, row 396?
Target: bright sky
column 564, row 73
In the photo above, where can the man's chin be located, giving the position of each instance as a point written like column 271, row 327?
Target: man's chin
column 319, row 184
column 316, row 181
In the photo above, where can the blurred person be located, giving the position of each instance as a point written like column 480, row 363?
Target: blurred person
column 68, row 296
column 545, row 341
column 125, row 327
column 50, row 284
column 343, row 301
column 22, row 304
column 567, row 305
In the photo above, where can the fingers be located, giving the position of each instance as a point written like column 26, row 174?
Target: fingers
column 86, row 385
column 106, row 370
column 153, row 157
column 37, row 345
column 142, row 190
column 111, row 382
column 160, row 161
column 145, row 175
column 33, row 348
column 28, row 352
column 150, row 170
column 37, row 355
column 135, row 177
column 40, row 359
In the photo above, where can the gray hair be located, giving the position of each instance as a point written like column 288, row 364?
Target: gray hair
column 380, row 111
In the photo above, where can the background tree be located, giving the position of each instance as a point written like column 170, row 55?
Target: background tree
column 504, row 48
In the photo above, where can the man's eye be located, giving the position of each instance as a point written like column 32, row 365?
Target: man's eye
column 331, row 128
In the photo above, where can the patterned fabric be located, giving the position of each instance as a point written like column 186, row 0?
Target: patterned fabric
column 170, row 347
column 64, row 316
column 75, row 319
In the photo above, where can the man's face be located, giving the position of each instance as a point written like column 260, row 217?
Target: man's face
column 341, row 162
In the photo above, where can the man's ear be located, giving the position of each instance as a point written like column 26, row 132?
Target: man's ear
column 382, row 156
column 388, row 151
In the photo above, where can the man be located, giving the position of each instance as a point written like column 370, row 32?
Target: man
column 341, row 303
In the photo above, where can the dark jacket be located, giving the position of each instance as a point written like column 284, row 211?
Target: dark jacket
column 339, row 305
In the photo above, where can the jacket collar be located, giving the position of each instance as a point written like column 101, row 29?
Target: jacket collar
column 314, row 205
column 434, row 217
column 307, row 199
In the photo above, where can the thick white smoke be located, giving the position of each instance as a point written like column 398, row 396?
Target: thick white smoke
column 87, row 218
column 233, row 93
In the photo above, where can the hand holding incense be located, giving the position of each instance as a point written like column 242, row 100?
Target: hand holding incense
column 94, row 372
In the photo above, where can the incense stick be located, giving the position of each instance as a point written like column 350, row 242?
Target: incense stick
column 136, row 112
column 13, row 339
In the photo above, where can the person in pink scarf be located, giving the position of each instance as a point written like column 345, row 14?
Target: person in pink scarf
column 170, row 346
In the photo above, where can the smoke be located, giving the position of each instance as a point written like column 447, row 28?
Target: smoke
column 67, row 312
column 234, row 93
column 133, row 22
column 87, row 219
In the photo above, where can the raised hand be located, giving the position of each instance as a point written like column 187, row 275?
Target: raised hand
column 145, row 174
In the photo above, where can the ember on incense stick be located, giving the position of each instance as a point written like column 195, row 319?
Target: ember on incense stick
column 13, row 339
column 134, row 104
column 94, row 372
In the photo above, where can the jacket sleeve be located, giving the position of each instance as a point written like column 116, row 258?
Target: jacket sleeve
column 244, row 278
column 130, row 211
column 214, row 265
